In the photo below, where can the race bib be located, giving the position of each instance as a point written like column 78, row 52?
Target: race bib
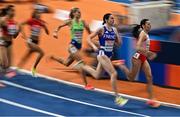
column 101, row 53
column 109, row 45
column 2, row 42
column 78, row 36
column 12, row 29
column 35, row 30
column 73, row 49
column 136, row 55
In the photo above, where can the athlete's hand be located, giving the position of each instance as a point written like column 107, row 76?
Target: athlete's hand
column 55, row 35
column 151, row 55
column 23, row 36
column 95, row 48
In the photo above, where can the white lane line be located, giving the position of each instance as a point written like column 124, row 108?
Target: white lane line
column 99, row 90
column 69, row 99
column 28, row 107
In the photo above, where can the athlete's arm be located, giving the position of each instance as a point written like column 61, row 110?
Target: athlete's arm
column 139, row 48
column 91, row 36
column 2, row 22
column 66, row 23
column 118, row 41
column 21, row 29
column 46, row 29
column 87, row 27
column 141, row 39
column 18, row 30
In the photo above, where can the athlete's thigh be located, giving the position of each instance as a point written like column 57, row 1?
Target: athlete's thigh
column 9, row 53
column 147, row 69
column 99, row 68
column 3, row 56
column 106, row 64
column 34, row 47
column 70, row 59
column 75, row 53
column 136, row 65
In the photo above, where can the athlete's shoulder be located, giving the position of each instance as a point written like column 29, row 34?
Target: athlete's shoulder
column 29, row 21
column 68, row 21
column 143, row 35
column 114, row 29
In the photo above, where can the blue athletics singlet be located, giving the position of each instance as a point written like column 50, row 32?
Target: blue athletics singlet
column 107, row 41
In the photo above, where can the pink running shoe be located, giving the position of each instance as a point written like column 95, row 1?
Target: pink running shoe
column 89, row 87
column 153, row 103
column 10, row 74
column 2, row 85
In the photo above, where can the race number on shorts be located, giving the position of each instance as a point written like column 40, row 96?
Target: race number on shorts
column 136, row 55
column 101, row 53
column 73, row 49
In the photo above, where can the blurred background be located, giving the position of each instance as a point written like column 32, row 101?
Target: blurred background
column 165, row 35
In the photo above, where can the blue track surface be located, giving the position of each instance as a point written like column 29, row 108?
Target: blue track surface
column 67, row 100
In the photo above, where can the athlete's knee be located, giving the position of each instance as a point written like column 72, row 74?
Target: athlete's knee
column 131, row 76
column 149, row 77
column 97, row 76
column 79, row 65
column 66, row 63
column 42, row 53
column 114, row 75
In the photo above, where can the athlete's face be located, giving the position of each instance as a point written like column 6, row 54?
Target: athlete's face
column 11, row 12
column 147, row 26
column 77, row 14
column 110, row 21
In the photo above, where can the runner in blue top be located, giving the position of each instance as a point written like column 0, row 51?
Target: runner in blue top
column 108, row 37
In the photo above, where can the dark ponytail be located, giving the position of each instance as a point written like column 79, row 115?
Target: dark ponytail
column 136, row 31
column 137, row 28
column 106, row 17
column 3, row 12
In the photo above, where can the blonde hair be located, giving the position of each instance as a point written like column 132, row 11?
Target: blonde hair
column 72, row 11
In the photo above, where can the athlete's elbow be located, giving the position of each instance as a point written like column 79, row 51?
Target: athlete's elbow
column 138, row 48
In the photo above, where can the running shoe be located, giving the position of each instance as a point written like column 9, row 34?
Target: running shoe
column 120, row 101
column 33, row 72
column 11, row 74
column 2, row 85
column 153, row 103
column 89, row 87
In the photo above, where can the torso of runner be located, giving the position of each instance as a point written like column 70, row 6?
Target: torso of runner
column 35, row 26
column 8, row 31
column 146, row 45
column 76, row 33
column 107, row 41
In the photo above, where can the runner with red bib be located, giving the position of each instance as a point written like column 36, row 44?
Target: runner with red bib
column 36, row 24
